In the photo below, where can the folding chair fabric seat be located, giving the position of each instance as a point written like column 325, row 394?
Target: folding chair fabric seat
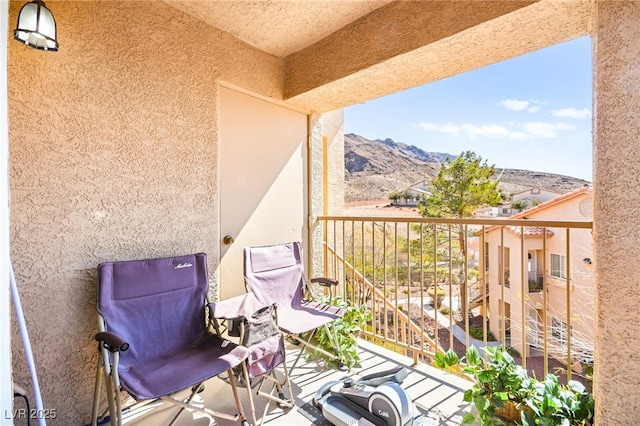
column 308, row 315
column 158, row 307
column 162, row 377
column 259, row 332
column 254, row 323
column 275, row 275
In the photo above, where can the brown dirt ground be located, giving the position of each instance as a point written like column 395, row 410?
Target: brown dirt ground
column 380, row 208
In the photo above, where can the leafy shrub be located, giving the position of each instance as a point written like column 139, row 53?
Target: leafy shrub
column 499, row 383
column 513, row 351
column 449, row 361
column 478, row 334
column 518, row 205
column 554, row 404
column 345, row 331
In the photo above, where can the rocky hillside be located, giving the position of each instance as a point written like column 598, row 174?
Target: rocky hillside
column 375, row 169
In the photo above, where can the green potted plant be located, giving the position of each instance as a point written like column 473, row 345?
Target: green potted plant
column 503, row 393
column 534, row 286
column 448, row 361
column 437, row 296
column 500, row 390
column 346, row 330
column 552, row 403
column 586, row 365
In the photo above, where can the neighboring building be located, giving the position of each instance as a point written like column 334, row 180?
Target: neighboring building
column 525, row 199
column 534, row 196
column 412, row 195
column 545, row 268
column 420, row 188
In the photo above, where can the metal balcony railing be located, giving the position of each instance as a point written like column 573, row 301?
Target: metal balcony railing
column 535, row 281
column 422, row 281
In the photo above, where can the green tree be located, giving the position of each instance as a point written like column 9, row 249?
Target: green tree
column 394, row 197
column 519, row 205
column 406, row 196
column 461, row 187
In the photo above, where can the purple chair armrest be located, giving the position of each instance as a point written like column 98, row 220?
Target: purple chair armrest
column 324, row 281
column 112, row 341
column 240, row 306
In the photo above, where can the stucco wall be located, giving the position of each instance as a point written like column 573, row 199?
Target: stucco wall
column 334, row 132
column 582, row 276
column 616, row 210
column 326, row 157
column 346, row 67
column 6, row 398
column 112, row 156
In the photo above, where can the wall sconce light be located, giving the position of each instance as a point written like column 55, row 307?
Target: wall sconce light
column 36, row 27
column 587, row 260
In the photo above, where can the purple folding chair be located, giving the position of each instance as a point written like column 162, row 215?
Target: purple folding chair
column 155, row 336
column 256, row 327
column 275, row 275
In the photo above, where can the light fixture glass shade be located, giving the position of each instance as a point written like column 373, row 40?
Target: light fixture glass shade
column 36, row 27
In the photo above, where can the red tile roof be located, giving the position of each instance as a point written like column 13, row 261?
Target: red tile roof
column 535, row 230
column 553, row 202
column 529, row 231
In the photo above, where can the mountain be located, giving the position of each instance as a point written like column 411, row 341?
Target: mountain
column 376, row 168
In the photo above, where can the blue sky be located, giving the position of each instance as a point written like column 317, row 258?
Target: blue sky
column 532, row 112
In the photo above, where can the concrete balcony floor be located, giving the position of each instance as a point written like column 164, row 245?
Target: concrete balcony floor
column 436, row 394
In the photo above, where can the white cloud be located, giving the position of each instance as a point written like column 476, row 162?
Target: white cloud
column 517, row 105
column 565, row 126
column 544, row 130
column 572, row 113
column 471, row 130
column 447, row 128
column 530, row 130
column 519, row 136
column 514, row 105
column 541, row 130
column 490, row 131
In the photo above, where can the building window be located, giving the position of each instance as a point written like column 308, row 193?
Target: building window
column 503, row 266
column 558, row 266
column 559, row 330
column 486, row 256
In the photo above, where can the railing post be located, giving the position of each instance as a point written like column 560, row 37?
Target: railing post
column 377, row 282
column 568, row 277
column 525, row 294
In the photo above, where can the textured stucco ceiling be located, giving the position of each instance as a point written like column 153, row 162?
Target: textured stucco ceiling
column 279, row 27
column 367, row 60
column 339, row 52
